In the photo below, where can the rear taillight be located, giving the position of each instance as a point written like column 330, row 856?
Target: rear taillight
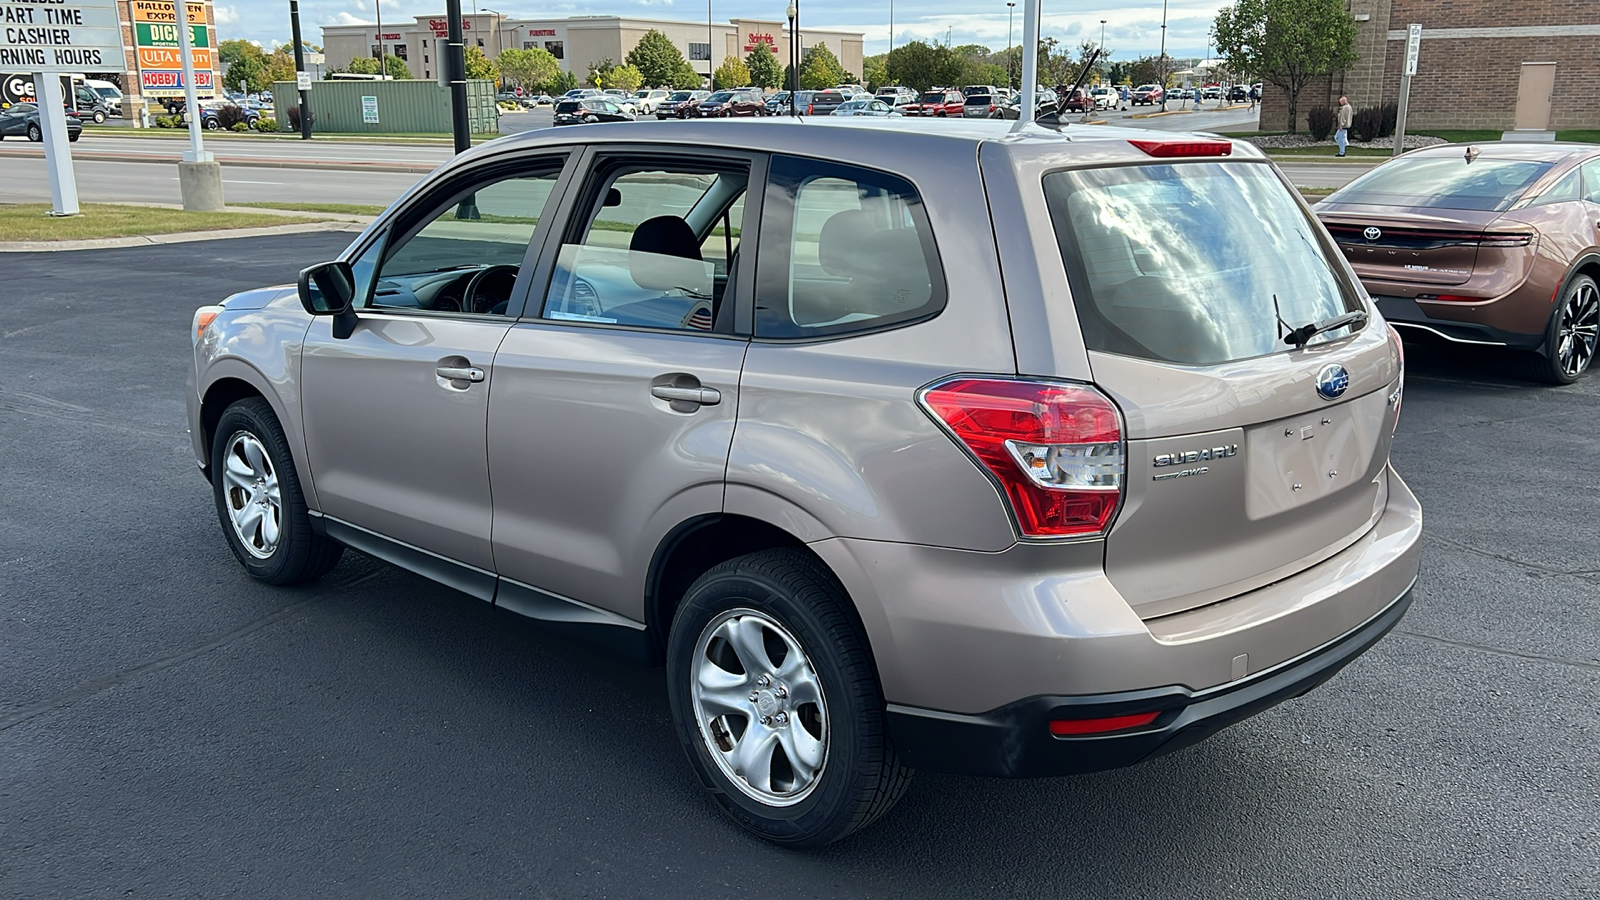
column 1400, row 383
column 1068, row 727
column 1506, row 239
column 1184, row 148
column 1056, row 449
column 1452, row 298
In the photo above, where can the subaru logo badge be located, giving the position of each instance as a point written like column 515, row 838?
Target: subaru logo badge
column 1332, row 381
column 1372, row 233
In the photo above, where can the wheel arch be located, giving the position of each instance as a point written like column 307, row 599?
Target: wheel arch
column 227, row 382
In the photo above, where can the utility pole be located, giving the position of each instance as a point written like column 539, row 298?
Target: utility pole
column 1162, row 60
column 794, row 58
column 1030, row 62
column 711, row 50
column 455, row 60
column 382, row 70
column 891, row 28
column 301, row 77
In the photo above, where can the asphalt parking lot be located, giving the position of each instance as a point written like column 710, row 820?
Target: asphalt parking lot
column 169, row 728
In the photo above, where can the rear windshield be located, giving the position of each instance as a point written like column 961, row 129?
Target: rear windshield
column 567, row 106
column 1489, row 185
column 933, row 98
column 978, row 100
column 828, row 97
column 719, row 97
column 1194, row 263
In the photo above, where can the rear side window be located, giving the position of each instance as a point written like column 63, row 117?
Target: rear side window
column 1197, row 263
column 844, row 250
column 1489, row 185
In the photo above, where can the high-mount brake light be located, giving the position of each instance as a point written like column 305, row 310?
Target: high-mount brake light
column 1167, row 149
column 1056, row 449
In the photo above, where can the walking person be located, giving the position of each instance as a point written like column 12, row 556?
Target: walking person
column 1347, row 115
column 1125, row 97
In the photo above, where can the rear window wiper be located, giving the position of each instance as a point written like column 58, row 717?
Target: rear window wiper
column 1297, row 337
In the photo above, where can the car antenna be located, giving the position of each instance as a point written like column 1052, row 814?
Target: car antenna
column 1053, row 119
column 1472, row 153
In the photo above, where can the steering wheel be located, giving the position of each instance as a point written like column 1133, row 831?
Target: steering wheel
column 470, row 301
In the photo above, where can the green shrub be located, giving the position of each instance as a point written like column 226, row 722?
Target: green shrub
column 229, row 116
column 240, row 127
column 1391, row 116
column 1368, row 122
column 1319, row 121
column 294, row 119
column 166, row 121
column 270, row 126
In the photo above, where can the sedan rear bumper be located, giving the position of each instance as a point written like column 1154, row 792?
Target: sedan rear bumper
column 1411, row 317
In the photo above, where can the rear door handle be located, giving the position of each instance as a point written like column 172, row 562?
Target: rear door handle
column 460, row 373
column 702, row 395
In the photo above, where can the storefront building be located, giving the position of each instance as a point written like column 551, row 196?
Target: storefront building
column 579, row 41
column 1530, row 66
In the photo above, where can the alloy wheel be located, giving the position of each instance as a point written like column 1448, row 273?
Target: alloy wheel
column 759, row 707
column 254, row 498
column 1579, row 329
column 34, row 134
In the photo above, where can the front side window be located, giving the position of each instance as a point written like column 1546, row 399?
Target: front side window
column 655, row 247
column 1194, row 263
column 844, row 250
column 1591, row 180
column 467, row 253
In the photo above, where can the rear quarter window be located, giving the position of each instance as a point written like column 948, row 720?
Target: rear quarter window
column 1192, row 263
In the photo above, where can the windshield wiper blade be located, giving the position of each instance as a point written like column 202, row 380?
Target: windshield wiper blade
column 1297, row 337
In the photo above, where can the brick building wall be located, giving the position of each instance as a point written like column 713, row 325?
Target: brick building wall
column 1469, row 66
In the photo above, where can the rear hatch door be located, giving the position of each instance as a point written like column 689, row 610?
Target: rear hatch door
column 1248, row 458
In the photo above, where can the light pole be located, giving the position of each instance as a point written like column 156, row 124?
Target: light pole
column 711, row 50
column 1011, row 7
column 497, row 16
column 891, row 29
column 378, row 6
column 1161, row 61
column 794, row 58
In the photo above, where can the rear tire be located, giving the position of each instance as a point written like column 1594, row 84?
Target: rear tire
column 34, row 134
column 795, row 749
column 260, row 505
column 1570, row 339
column 99, row 117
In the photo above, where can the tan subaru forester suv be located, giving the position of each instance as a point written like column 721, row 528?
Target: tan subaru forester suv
column 1001, row 451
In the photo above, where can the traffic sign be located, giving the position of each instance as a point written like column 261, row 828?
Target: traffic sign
column 57, row 37
column 1413, row 48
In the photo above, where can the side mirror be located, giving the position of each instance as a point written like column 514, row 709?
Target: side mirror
column 329, row 289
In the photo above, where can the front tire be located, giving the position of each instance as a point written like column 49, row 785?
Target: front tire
column 776, row 700
column 34, row 134
column 99, row 117
column 1570, row 341
column 260, row 505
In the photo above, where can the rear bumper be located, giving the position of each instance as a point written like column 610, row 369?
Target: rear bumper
column 1412, row 318
column 1015, row 740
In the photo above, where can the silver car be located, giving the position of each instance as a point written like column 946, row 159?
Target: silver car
column 899, row 448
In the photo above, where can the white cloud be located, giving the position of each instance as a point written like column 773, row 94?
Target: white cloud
column 225, row 15
column 343, row 18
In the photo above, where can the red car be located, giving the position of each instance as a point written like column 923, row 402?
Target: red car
column 939, row 103
column 1080, row 100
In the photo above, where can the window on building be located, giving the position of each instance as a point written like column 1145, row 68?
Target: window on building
column 699, row 51
column 375, row 51
column 400, row 51
column 480, row 42
column 424, row 59
column 558, row 49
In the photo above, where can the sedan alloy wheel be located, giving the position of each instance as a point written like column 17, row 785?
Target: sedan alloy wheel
column 1578, row 329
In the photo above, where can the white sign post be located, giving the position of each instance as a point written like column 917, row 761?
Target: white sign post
column 1030, row 62
column 51, row 40
column 1413, row 50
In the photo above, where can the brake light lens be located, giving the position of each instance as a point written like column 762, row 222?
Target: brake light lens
column 1056, row 449
column 1506, row 239
column 1064, row 727
column 1452, row 298
column 1167, row 149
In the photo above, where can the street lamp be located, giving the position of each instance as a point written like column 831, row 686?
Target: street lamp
column 498, row 15
column 1011, row 7
column 711, row 52
column 794, row 57
column 1162, row 60
column 891, row 29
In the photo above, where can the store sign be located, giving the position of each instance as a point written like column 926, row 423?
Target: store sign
column 541, row 32
column 751, row 40
column 64, row 36
column 156, row 45
column 392, row 36
column 441, row 27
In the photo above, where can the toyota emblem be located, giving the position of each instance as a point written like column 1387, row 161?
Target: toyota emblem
column 1372, row 233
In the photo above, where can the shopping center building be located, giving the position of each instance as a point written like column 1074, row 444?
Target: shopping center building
column 1528, row 66
column 579, row 41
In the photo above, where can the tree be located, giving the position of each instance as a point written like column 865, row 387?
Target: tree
column 280, row 65
column 599, row 70
column 875, row 70
column 396, row 68
column 230, row 52
column 528, row 68
column 248, row 74
column 626, row 78
column 479, row 67
column 1288, row 43
column 560, row 84
column 763, row 66
column 820, row 69
column 362, row 65
column 686, row 78
column 1149, row 70
column 731, row 74
column 657, row 59
column 918, row 65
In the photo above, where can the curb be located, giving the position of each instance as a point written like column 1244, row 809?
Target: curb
column 1170, row 112
column 182, row 237
column 107, row 156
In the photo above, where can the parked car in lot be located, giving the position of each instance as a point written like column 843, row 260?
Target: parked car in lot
column 878, row 507
column 1105, row 98
column 590, row 110
column 1079, row 100
column 980, row 106
column 679, row 103
column 211, row 114
column 729, row 104
column 866, row 105
column 90, row 105
column 1211, row 91
column 1044, row 102
column 1148, row 95
column 23, row 120
column 897, row 96
column 778, row 104
column 1489, row 244
column 648, row 100
column 938, row 104
column 819, row 103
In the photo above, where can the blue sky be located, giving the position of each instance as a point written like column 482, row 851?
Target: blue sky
column 1132, row 29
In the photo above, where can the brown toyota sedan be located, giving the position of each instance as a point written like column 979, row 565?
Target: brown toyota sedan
column 1494, row 244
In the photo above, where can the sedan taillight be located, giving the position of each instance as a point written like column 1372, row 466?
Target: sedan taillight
column 1056, row 449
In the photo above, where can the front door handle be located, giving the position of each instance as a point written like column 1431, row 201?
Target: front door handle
column 460, row 373
column 703, row 396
